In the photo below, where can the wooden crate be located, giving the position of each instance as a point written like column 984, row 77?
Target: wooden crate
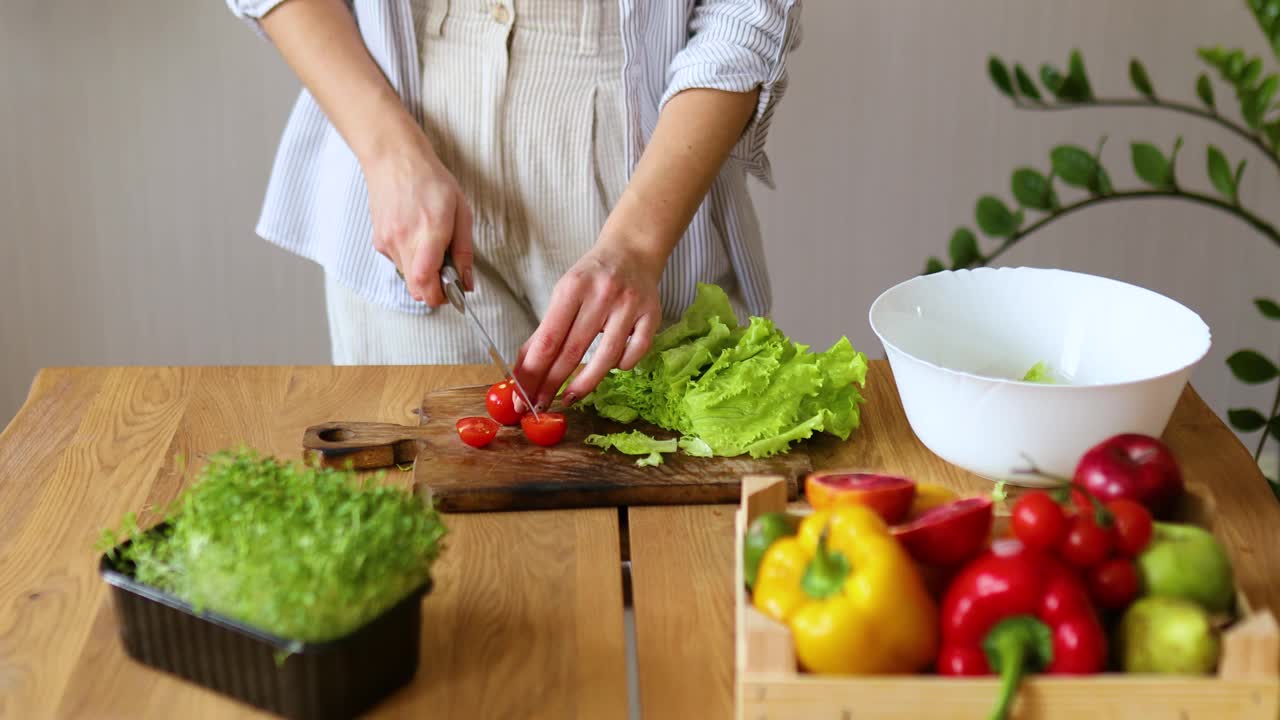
column 767, row 685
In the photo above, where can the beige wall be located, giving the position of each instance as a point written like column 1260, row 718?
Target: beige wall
column 137, row 135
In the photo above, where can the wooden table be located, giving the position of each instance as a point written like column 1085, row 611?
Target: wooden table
column 527, row 616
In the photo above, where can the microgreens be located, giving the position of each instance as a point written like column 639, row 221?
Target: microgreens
column 299, row 551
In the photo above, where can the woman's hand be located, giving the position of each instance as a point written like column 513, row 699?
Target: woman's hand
column 418, row 212
column 613, row 289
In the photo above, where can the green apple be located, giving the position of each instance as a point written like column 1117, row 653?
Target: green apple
column 1167, row 635
column 1187, row 561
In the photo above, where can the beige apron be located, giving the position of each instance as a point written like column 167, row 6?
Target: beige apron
column 524, row 103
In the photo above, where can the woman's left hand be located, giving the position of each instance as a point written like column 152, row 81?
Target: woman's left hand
column 612, row 289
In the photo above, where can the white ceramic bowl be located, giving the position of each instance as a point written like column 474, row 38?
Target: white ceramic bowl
column 959, row 343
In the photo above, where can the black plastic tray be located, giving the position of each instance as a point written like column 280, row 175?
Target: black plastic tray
column 338, row 678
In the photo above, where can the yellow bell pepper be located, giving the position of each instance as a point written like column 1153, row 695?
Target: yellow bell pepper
column 851, row 595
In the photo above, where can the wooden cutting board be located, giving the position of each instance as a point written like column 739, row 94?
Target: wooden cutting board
column 512, row 473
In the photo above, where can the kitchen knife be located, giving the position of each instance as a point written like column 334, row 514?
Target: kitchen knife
column 451, row 283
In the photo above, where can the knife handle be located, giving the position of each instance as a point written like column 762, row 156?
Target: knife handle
column 363, row 445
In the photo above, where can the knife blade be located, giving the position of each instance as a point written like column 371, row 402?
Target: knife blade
column 452, row 284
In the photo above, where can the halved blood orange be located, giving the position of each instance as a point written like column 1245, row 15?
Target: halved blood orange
column 889, row 495
column 950, row 534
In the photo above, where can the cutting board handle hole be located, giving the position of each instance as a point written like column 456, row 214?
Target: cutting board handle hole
column 336, row 435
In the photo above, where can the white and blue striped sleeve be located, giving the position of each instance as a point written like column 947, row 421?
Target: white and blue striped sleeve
column 737, row 46
column 252, row 11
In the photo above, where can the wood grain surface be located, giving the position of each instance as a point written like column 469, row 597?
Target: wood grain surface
column 526, row 606
column 512, row 473
column 527, row 615
column 682, row 585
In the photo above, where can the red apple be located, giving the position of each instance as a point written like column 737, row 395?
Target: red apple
column 1134, row 466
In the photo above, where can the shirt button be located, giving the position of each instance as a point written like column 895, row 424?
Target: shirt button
column 501, row 14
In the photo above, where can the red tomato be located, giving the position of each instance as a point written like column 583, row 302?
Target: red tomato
column 1086, row 545
column 546, row 429
column 500, row 402
column 1131, row 525
column 477, row 431
column 1114, row 583
column 1038, row 520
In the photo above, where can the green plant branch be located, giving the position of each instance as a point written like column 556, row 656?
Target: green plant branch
column 1266, row 429
column 1186, row 108
column 1258, row 223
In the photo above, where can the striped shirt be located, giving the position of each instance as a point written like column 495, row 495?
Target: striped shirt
column 316, row 200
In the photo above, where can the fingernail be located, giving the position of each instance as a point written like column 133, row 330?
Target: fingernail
column 467, row 279
column 569, row 398
column 518, row 404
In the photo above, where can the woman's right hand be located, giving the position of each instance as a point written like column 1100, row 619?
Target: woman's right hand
column 418, row 212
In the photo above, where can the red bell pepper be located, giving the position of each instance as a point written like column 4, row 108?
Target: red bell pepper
column 1016, row 609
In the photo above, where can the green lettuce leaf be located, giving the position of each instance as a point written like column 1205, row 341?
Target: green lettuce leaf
column 1039, row 373
column 635, row 443
column 732, row 389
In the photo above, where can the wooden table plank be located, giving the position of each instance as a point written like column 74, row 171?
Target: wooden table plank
column 227, row 407
column 682, row 591
column 526, row 621
column 50, row 590
column 57, row 402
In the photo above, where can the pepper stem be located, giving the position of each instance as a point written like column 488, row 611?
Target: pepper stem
column 825, row 572
column 1014, row 646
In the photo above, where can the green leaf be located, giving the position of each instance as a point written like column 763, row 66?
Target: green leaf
column 1250, row 74
column 1101, row 183
column 1026, row 85
column 1138, row 76
column 933, row 265
column 1074, row 165
column 1253, row 104
column 1252, row 367
column 1272, row 130
column 1204, row 89
column 1214, row 56
column 1173, row 160
column 1220, row 173
column 1267, row 90
column 1151, row 165
column 999, row 75
column 963, row 248
column 1273, row 427
column 1267, row 307
column 1234, row 66
column 1033, row 190
column 1051, row 79
column 1076, row 86
column 995, row 218
column 1245, row 419
column 1239, row 174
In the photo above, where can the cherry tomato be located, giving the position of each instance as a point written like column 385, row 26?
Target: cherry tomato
column 1086, row 545
column 1131, row 525
column 1114, row 583
column 477, row 431
column 546, row 429
column 500, row 402
column 1038, row 521
column 1080, row 502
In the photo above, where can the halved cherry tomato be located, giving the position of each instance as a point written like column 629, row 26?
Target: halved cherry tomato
column 546, row 429
column 477, row 431
column 500, row 403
